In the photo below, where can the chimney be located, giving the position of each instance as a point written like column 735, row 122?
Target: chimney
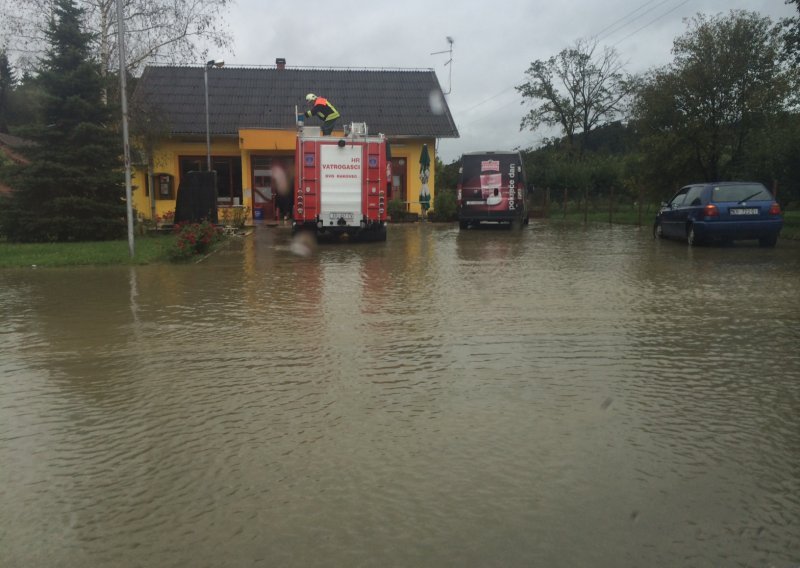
column 281, row 63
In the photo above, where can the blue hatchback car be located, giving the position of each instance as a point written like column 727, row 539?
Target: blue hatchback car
column 720, row 211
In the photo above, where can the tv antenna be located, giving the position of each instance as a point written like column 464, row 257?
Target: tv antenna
column 449, row 62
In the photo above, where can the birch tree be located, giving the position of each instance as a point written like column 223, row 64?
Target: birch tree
column 157, row 31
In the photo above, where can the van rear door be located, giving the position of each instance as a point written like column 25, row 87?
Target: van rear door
column 489, row 186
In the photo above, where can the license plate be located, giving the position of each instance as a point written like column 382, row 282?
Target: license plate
column 745, row 211
column 343, row 215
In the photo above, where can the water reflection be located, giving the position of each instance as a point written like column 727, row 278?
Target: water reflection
column 552, row 396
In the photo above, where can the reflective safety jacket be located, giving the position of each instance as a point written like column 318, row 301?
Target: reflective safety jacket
column 324, row 110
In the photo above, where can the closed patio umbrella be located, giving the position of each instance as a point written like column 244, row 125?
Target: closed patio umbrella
column 424, row 176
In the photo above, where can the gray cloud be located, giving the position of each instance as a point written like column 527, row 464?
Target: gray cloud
column 494, row 45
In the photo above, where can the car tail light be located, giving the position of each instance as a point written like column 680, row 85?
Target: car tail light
column 711, row 211
column 774, row 209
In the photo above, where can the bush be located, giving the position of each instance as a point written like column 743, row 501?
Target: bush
column 396, row 209
column 62, row 219
column 444, row 206
column 193, row 239
column 235, row 217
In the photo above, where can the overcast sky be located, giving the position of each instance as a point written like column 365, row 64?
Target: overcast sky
column 494, row 44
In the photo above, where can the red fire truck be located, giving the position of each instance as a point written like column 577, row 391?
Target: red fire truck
column 342, row 183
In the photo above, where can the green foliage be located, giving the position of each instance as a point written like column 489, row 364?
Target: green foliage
column 577, row 90
column 7, row 81
column 194, row 239
column 24, row 104
column 447, row 175
column 792, row 34
column 72, row 189
column 444, row 206
column 396, row 209
column 700, row 114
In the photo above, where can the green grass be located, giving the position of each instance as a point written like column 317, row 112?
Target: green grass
column 622, row 217
column 625, row 216
column 791, row 225
column 146, row 249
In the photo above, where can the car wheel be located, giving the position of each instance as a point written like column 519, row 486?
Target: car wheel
column 658, row 231
column 767, row 242
column 463, row 224
column 691, row 237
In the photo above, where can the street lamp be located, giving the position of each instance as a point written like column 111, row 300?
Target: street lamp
column 211, row 64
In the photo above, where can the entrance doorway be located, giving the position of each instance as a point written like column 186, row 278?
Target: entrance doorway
column 399, row 187
column 272, row 187
column 263, row 193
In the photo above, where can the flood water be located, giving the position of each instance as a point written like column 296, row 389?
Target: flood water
column 559, row 396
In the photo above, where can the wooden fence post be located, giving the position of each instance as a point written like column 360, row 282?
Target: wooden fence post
column 611, row 207
column 547, row 203
column 641, row 202
column 585, row 205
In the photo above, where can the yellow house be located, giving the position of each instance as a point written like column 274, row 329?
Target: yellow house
column 243, row 121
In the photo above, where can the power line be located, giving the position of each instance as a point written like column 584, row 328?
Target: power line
column 625, row 17
column 640, row 16
column 651, row 22
column 487, row 100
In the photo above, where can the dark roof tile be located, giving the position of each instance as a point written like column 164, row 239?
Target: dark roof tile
column 394, row 102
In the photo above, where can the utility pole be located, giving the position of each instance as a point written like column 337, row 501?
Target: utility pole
column 125, row 142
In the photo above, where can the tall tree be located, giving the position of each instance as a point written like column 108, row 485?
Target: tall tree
column 578, row 90
column 72, row 188
column 7, row 81
column 725, row 83
column 173, row 31
column 792, row 33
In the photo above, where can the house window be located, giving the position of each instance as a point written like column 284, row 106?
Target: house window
column 229, row 175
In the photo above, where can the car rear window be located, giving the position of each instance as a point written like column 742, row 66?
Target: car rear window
column 740, row 192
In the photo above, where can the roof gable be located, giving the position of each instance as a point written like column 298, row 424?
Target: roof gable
column 394, row 102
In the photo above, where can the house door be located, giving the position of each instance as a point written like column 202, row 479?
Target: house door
column 263, row 192
column 399, row 186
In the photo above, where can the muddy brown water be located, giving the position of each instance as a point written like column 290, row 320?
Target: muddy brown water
column 559, row 396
